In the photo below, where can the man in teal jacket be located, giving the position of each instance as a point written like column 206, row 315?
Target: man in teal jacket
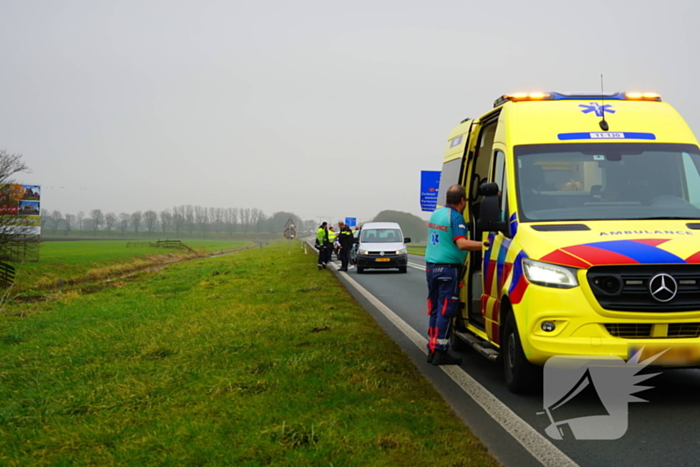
column 448, row 243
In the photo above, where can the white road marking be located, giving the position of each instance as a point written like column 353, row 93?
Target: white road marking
column 535, row 443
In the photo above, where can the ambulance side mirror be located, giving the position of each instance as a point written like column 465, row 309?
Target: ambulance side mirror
column 490, row 211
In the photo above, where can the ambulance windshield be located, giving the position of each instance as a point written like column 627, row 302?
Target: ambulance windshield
column 558, row 182
column 381, row 236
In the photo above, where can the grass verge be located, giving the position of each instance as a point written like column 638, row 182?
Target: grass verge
column 254, row 358
column 416, row 249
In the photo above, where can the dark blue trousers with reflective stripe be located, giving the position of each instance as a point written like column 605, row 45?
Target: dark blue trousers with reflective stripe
column 443, row 304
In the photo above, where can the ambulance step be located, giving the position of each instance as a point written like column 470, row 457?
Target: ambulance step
column 478, row 345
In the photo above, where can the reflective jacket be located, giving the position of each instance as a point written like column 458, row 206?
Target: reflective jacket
column 321, row 236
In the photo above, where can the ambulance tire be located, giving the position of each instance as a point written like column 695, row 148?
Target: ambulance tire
column 403, row 269
column 522, row 377
column 360, row 269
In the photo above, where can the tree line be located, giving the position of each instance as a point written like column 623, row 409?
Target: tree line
column 179, row 219
column 204, row 220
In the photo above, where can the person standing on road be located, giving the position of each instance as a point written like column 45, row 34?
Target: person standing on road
column 332, row 238
column 445, row 254
column 346, row 239
column 323, row 245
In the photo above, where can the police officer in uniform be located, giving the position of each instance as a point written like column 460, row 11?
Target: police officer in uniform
column 445, row 254
column 346, row 240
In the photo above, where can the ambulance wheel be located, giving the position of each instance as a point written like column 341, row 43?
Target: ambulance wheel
column 403, row 269
column 360, row 269
column 521, row 376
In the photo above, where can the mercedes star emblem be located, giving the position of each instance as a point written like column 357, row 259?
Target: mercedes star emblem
column 663, row 287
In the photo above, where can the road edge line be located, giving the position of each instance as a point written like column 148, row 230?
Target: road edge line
column 535, row 443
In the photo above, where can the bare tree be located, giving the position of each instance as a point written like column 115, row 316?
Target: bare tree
column 189, row 218
column 245, row 219
column 232, row 219
column 256, row 218
column 201, row 216
column 150, row 218
column 10, row 164
column 57, row 217
column 46, row 221
column 110, row 221
column 97, row 218
column 79, row 217
column 166, row 219
column 136, row 220
column 179, row 218
column 123, row 222
column 217, row 218
column 69, row 222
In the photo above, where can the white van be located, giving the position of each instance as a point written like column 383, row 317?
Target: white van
column 382, row 246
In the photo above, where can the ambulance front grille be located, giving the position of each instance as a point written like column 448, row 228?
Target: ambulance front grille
column 684, row 330
column 629, row 331
column 627, row 288
column 643, row 331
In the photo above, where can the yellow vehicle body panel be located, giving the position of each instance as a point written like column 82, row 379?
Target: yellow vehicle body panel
column 579, row 318
column 582, row 325
column 541, row 122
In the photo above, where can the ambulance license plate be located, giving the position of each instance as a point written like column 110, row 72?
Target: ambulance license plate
column 671, row 355
column 382, row 259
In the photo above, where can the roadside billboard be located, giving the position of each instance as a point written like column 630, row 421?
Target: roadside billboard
column 24, row 201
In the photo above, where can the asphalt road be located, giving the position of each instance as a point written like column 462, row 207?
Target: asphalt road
column 661, row 432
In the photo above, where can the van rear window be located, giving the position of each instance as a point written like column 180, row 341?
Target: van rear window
column 557, row 182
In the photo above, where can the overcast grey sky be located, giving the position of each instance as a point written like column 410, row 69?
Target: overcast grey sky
column 320, row 108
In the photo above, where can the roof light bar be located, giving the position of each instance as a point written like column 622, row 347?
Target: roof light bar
column 522, row 96
column 645, row 96
column 539, row 96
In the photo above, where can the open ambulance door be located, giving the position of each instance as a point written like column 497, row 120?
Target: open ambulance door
column 480, row 170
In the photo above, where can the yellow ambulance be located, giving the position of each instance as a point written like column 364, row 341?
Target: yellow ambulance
column 589, row 206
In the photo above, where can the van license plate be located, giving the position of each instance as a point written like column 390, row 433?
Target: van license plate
column 382, row 259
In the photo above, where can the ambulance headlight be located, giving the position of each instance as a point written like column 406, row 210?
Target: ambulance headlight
column 402, row 251
column 362, row 252
column 549, row 275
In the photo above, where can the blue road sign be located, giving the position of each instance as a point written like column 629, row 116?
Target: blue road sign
column 351, row 221
column 429, row 186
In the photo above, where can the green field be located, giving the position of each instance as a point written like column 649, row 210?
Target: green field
column 416, row 248
column 248, row 359
column 67, row 262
